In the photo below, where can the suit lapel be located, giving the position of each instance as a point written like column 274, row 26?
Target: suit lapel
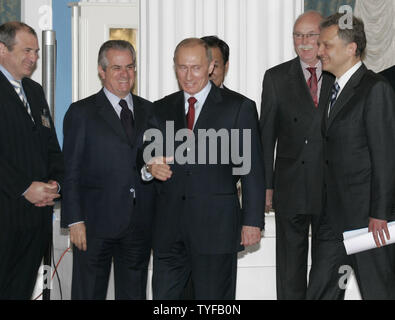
column 208, row 109
column 14, row 96
column 299, row 87
column 139, row 118
column 346, row 94
column 107, row 112
column 35, row 107
column 178, row 111
column 327, row 83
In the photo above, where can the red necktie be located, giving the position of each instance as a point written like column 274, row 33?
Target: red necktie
column 313, row 85
column 191, row 112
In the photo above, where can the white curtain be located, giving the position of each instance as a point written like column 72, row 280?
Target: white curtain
column 259, row 34
column 378, row 17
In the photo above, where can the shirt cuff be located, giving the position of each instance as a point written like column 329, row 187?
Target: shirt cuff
column 145, row 175
column 79, row 222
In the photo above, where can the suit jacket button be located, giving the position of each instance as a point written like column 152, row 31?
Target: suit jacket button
column 184, row 197
column 326, row 162
column 302, row 162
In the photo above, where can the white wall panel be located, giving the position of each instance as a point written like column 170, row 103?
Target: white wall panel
column 259, row 33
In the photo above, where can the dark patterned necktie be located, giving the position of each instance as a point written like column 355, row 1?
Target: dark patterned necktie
column 127, row 119
column 191, row 113
column 313, row 85
column 335, row 92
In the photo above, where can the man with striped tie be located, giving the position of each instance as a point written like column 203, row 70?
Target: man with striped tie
column 31, row 164
column 358, row 128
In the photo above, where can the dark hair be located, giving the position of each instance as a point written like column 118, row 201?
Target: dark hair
column 190, row 42
column 117, row 45
column 355, row 34
column 215, row 42
column 8, row 32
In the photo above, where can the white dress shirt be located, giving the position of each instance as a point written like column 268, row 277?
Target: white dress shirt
column 114, row 100
column 318, row 72
column 342, row 81
column 201, row 97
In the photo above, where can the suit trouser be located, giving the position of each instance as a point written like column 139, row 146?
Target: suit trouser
column 91, row 269
column 213, row 276
column 374, row 269
column 292, row 247
column 21, row 254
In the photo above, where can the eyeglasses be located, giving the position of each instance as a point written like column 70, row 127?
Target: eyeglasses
column 305, row 35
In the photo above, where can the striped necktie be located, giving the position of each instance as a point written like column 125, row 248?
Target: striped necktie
column 335, row 91
column 18, row 89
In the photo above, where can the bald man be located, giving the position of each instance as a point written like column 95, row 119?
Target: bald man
column 198, row 227
column 293, row 99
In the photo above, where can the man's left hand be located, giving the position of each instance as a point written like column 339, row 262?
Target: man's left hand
column 250, row 235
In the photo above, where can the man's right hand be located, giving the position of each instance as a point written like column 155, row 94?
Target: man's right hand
column 269, row 200
column 160, row 169
column 78, row 236
column 40, row 192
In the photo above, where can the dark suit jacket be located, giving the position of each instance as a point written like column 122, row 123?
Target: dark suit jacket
column 389, row 74
column 28, row 152
column 101, row 168
column 290, row 119
column 359, row 140
column 199, row 202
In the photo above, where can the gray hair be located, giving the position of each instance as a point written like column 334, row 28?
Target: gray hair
column 8, row 32
column 116, row 45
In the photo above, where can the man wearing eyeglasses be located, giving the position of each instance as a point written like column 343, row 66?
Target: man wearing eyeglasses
column 293, row 99
column 106, row 207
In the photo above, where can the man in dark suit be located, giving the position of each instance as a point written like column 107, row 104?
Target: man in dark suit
column 293, row 99
column 198, row 226
column 359, row 138
column 390, row 75
column 106, row 206
column 220, row 54
column 31, row 164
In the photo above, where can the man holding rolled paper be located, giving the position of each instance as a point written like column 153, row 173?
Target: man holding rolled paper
column 359, row 138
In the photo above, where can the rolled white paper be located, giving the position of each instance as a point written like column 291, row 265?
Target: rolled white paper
column 361, row 240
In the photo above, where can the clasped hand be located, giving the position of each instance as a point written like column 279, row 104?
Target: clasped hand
column 42, row 194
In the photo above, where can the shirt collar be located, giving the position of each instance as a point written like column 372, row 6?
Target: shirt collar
column 114, row 100
column 318, row 67
column 342, row 81
column 7, row 74
column 201, row 96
